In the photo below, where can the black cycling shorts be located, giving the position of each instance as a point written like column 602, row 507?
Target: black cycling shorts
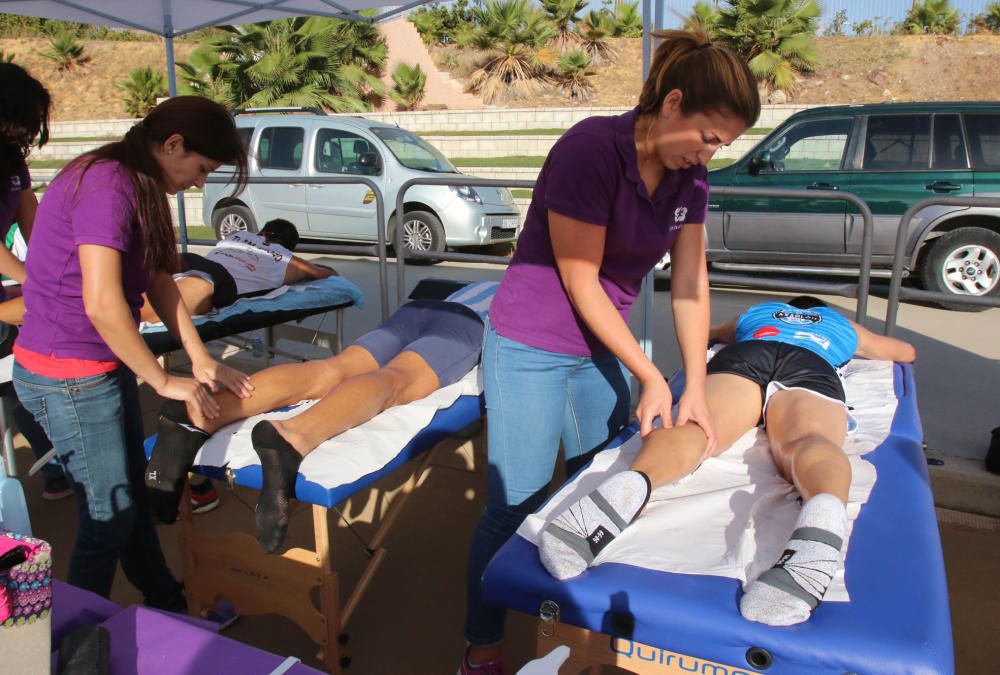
column 224, row 286
column 789, row 366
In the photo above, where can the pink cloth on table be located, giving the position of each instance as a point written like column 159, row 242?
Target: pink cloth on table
column 6, row 544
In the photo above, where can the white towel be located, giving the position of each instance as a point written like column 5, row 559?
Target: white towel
column 734, row 515
column 349, row 456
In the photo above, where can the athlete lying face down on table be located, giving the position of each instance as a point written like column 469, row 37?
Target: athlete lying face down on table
column 781, row 364
column 242, row 264
column 423, row 346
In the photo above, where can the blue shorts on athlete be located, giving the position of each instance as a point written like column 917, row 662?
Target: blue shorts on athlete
column 448, row 336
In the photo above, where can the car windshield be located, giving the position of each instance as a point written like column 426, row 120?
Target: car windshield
column 414, row 152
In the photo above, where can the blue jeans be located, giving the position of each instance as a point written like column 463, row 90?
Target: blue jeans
column 534, row 399
column 95, row 425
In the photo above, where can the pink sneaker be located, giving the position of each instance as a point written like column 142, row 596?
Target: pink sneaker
column 494, row 667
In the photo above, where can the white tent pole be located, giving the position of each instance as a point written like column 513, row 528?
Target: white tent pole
column 646, row 298
column 168, row 34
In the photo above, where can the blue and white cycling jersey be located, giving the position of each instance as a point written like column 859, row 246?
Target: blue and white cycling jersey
column 821, row 330
column 476, row 296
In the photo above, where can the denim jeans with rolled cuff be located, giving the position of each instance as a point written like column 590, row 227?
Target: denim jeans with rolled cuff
column 534, row 400
column 95, row 425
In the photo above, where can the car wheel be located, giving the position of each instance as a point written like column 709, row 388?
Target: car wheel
column 965, row 261
column 422, row 231
column 234, row 218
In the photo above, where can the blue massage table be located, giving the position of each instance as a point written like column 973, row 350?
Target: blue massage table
column 297, row 302
column 300, row 583
column 647, row 621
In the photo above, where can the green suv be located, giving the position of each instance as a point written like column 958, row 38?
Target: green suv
column 891, row 156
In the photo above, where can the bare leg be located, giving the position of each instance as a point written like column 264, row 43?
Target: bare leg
column 182, row 431
column 569, row 543
column 195, row 292
column 807, row 435
column 358, row 399
column 668, row 455
column 12, row 311
column 281, row 445
column 287, row 384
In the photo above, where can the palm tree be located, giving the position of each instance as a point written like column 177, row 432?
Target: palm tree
column 703, row 15
column 627, row 20
column 594, row 31
column 142, row 88
column 201, row 76
column 562, row 13
column 302, row 61
column 933, row 16
column 66, row 52
column 774, row 36
column 574, row 77
column 408, row 86
column 512, row 33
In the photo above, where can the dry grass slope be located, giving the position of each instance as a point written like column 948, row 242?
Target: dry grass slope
column 853, row 70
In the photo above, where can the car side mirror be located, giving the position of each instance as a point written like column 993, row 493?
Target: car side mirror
column 760, row 162
column 368, row 160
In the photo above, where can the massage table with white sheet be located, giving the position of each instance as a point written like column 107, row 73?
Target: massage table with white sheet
column 232, row 565
column 663, row 598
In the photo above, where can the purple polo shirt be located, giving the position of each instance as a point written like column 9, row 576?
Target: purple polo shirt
column 592, row 174
column 95, row 208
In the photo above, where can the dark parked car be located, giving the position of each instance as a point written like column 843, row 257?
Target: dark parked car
column 889, row 155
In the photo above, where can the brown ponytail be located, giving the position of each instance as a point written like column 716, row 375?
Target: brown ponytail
column 710, row 77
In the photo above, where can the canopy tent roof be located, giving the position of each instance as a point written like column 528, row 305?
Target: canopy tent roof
column 170, row 18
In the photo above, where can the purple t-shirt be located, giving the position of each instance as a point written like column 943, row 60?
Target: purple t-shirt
column 97, row 208
column 592, row 174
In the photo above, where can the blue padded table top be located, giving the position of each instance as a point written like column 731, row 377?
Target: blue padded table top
column 298, row 302
column 446, row 422
column 897, row 621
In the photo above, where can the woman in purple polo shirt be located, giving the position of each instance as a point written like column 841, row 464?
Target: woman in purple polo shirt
column 103, row 236
column 25, row 105
column 615, row 194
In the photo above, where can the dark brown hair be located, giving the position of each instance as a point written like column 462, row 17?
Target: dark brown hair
column 711, row 78
column 206, row 128
column 24, row 117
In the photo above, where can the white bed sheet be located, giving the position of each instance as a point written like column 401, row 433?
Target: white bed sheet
column 351, row 455
column 733, row 516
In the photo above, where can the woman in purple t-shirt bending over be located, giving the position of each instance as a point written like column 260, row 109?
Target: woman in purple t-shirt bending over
column 103, row 237
column 615, row 194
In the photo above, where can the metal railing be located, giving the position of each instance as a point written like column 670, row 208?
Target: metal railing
column 859, row 290
column 896, row 290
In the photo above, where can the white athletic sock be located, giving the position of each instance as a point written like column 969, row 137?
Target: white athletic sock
column 571, row 541
column 787, row 593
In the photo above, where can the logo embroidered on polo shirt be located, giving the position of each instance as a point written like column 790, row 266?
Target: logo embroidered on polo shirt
column 680, row 214
column 15, row 182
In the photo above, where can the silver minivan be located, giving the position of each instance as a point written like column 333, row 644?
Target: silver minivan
column 312, row 144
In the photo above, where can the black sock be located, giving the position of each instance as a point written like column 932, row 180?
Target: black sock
column 177, row 443
column 279, row 464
